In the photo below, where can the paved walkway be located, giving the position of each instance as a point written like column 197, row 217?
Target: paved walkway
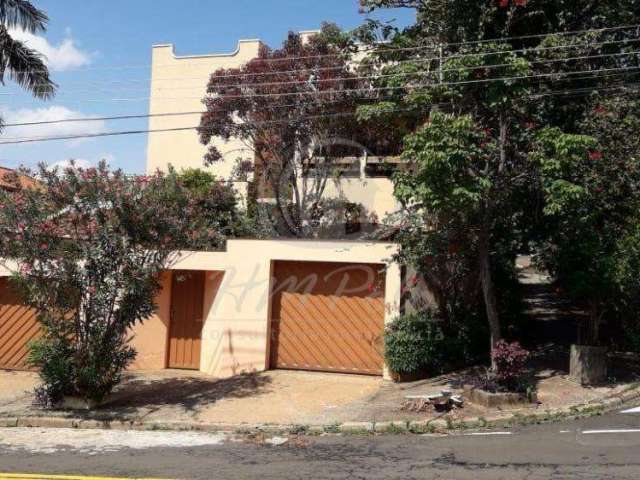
column 552, row 318
column 284, row 397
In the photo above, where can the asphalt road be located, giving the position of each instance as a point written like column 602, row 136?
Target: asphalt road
column 603, row 447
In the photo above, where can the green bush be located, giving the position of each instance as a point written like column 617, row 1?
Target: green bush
column 55, row 363
column 91, row 373
column 413, row 343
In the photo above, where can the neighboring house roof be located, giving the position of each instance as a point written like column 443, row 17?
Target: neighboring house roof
column 7, row 184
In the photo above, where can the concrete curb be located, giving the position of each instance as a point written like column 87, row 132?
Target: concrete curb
column 438, row 425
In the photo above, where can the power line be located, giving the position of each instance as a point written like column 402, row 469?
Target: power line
column 92, row 135
column 395, row 62
column 419, row 60
column 134, row 116
column 269, row 122
column 381, row 75
column 171, row 114
column 97, row 119
column 544, row 35
column 371, row 89
column 585, row 91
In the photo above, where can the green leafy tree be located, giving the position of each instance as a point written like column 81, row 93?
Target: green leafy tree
column 490, row 65
column 215, row 210
column 452, row 178
column 22, row 64
column 86, row 248
column 591, row 188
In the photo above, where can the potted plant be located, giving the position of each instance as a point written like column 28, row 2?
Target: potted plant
column 506, row 383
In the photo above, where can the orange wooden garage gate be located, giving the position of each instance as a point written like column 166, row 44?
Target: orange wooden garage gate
column 18, row 326
column 327, row 317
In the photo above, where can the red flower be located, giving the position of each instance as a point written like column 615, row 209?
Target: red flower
column 504, row 3
column 595, row 155
column 600, row 110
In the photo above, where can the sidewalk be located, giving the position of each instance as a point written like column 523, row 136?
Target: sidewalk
column 191, row 400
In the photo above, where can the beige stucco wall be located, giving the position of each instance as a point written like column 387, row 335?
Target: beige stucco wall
column 178, row 84
column 235, row 334
column 150, row 337
column 376, row 194
column 236, row 327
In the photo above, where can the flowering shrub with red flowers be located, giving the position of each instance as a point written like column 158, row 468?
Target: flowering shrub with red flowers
column 509, row 360
column 87, row 247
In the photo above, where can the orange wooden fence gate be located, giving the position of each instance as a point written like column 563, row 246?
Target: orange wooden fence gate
column 18, row 327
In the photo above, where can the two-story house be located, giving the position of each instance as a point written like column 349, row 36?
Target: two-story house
column 178, row 85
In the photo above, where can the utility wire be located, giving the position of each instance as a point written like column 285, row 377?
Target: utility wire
column 269, row 122
column 417, row 72
column 372, row 88
column 172, row 114
column 100, row 119
column 396, row 62
column 369, row 89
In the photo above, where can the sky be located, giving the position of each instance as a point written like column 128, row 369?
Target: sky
column 99, row 53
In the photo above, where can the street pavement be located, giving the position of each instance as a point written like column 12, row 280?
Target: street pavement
column 601, row 447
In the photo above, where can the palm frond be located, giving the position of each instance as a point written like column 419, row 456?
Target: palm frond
column 22, row 14
column 24, row 66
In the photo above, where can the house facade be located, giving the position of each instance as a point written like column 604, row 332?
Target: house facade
column 264, row 304
column 258, row 305
column 178, row 85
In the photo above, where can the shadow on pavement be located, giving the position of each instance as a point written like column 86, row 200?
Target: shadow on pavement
column 191, row 393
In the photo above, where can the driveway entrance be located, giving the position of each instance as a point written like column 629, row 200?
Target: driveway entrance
column 327, row 317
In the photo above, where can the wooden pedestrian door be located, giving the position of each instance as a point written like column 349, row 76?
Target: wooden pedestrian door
column 185, row 327
column 327, row 317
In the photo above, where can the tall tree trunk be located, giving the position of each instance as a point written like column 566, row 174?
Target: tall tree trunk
column 589, row 331
column 488, row 292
